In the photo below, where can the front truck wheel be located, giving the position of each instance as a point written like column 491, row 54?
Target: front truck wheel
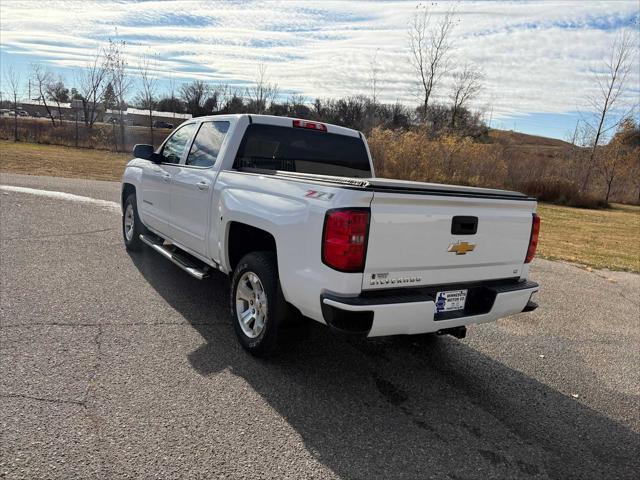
column 132, row 227
column 257, row 305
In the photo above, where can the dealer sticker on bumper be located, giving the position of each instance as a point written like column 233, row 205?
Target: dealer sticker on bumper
column 450, row 301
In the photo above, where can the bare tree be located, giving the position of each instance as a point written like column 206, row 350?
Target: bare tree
column 172, row 93
column 225, row 93
column 430, row 47
column 610, row 164
column 13, row 80
column 263, row 92
column 620, row 156
column 374, row 71
column 43, row 79
column 466, row 86
column 612, row 82
column 120, row 80
column 92, row 82
column 58, row 93
column 194, row 95
column 147, row 69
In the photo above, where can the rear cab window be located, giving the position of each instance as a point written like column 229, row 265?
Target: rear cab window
column 270, row 147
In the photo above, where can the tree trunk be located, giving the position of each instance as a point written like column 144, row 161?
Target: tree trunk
column 76, row 127
column 585, row 184
column 92, row 114
column 606, row 198
column 425, row 106
column 115, row 137
column 46, row 107
column 151, row 125
column 122, row 132
column 85, row 111
column 15, row 118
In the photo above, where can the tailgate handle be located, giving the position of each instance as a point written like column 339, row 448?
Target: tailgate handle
column 462, row 225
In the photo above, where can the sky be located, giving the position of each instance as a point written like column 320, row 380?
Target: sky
column 537, row 57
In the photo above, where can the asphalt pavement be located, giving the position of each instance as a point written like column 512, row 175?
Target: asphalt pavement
column 118, row 365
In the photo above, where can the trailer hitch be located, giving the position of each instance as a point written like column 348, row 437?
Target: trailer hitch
column 458, row 332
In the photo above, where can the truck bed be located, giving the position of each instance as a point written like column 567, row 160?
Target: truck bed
column 397, row 186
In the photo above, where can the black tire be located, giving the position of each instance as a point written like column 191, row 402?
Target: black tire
column 134, row 243
column 264, row 266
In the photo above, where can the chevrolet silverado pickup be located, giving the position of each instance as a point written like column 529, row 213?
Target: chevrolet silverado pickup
column 292, row 211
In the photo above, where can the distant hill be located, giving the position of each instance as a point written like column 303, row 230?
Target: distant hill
column 521, row 146
column 511, row 138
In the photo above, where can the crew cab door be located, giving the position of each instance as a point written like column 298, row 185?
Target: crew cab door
column 157, row 178
column 192, row 188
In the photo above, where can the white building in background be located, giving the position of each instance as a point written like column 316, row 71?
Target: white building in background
column 137, row 116
column 132, row 116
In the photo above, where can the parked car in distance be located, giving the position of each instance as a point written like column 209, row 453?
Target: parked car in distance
column 292, row 211
column 161, row 124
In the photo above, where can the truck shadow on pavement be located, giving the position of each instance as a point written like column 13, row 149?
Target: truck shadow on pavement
column 405, row 407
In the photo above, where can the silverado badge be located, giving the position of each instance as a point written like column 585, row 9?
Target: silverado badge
column 461, row 248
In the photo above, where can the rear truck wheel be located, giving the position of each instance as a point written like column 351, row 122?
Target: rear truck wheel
column 132, row 227
column 258, row 307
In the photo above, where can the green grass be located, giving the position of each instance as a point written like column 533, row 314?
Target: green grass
column 594, row 238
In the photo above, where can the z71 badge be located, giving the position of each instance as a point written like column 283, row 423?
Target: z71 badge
column 326, row 196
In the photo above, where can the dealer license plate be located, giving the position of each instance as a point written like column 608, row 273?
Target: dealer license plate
column 450, row 301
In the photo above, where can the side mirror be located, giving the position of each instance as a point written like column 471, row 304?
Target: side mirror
column 145, row 152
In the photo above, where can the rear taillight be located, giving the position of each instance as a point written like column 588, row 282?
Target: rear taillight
column 533, row 240
column 310, row 125
column 344, row 241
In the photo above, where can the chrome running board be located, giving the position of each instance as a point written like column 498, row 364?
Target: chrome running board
column 180, row 260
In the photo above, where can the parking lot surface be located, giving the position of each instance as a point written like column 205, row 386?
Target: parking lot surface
column 120, row 365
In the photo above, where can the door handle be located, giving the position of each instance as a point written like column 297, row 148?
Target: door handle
column 166, row 177
column 202, row 185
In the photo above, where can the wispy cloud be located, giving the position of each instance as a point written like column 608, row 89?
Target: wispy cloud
column 536, row 56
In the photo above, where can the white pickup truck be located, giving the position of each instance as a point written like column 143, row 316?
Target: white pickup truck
column 292, row 211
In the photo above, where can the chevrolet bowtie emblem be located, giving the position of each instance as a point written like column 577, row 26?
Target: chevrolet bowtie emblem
column 461, row 248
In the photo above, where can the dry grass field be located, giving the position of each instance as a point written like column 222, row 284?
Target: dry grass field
column 57, row 161
column 593, row 238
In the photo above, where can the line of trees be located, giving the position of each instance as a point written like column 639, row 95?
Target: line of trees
column 444, row 108
column 107, row 82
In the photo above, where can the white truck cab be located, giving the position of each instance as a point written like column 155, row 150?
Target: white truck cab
column 292, row 211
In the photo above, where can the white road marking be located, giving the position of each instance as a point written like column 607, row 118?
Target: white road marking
column 112, row 206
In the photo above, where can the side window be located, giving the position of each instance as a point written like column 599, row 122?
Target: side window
column 207, row 143
column 172, row 150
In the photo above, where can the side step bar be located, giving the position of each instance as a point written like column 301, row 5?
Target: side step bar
column 181, row 261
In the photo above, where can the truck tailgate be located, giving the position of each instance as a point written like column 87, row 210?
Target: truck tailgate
column 413, row 240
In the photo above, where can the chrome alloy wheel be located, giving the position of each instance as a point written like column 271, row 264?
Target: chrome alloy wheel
column 251, row 305
column 129, row 222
